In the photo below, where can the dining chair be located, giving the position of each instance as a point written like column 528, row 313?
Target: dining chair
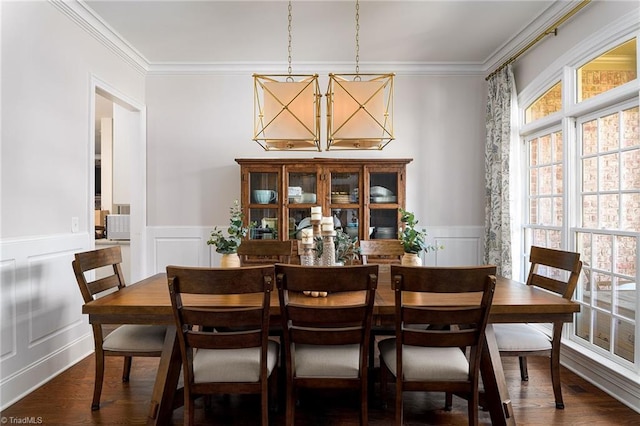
column 99, row 272
column 433, row 358
column 326, row 339
column 265, row 252
column 225, row 349
column 556, row 271
column 381, row 251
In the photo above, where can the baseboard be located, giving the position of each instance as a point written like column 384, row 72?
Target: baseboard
column 602, row 373
column 21, row 383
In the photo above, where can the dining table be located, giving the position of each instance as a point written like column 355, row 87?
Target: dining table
column 148, row 302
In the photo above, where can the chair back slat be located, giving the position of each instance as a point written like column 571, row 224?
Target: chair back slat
column 222, row 281
column 265, row 252
column 333, row 316
column 561, row 270
column 232, row 340
column 210, row 317
column 334, row 279
column 444, row 338
column 314, row 336
column 442, row 315
column 381, row 251
column 107, row 260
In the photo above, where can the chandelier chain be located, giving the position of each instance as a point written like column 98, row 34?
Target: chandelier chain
column 357, row 37
column 289, row 47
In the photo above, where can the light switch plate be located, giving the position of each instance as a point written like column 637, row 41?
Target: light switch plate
column 75, row 224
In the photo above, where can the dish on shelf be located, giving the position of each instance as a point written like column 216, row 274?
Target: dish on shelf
column 340, row 198
column 384, row 199
column 296, row 199
column 380, row 191
column 386, row 233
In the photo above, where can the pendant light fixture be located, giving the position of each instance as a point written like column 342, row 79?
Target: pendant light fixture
column 287, row 109
column 359, row 107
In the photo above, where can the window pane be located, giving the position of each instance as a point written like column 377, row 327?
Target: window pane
column 533, row 211
column 546, row 104
column 558, row 211
column 612, row 69
column 546, row 179
column 609, row 211
column 545, row 211
column 590, row 175
column 590, row 137
column 609, row 132
column 589, row 211
column 630, row 124
column 609, row 172
column 630, row 169
column 624, row 341
column 583, row 323
column 545, row 149
column 602, row 335
column 631, row 212
column 602, row 251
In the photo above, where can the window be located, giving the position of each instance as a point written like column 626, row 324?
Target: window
column 545, row 212
column 546, row 104
column 596, row 209
column 612, row 69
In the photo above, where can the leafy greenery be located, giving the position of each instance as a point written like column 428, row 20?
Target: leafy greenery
column 345, row 246
column 228, row 245
column 413, row 240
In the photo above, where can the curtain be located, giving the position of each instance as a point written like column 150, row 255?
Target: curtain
column 501, row 103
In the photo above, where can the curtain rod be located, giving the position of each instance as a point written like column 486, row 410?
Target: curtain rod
column 553, row 29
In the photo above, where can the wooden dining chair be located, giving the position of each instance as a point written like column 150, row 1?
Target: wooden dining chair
column 265, row 252
column 381, row 251
column 128, row 340
column 556, row 271
column 326, row 339
column 225, row 350
column 432, row 358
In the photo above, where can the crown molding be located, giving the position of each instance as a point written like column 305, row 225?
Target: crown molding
column 82, row 14
column 244, row 68
column 540, row 24
column 89, row 21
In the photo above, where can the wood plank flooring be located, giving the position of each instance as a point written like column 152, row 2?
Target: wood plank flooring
column 66, row 400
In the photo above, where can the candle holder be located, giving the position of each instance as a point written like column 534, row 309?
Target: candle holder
column 328, row 249
column 307, row 258
column 316, row 234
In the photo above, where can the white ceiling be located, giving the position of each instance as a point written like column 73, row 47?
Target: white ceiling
column 455, row 32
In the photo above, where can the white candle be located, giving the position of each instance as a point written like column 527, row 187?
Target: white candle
column 316, row 213
column 307, row 236
column 327, row 223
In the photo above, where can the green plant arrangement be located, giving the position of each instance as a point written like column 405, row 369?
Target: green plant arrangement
column 228, row 245
column 413, row 240
column 345, row 246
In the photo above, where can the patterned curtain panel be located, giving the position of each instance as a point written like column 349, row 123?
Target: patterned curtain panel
column 497, row 249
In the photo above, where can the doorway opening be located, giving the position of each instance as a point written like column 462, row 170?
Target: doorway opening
column 117, row 176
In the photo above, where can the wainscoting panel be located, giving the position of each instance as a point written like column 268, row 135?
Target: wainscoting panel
column 43, row 329
column 185, row 246
column 460, row 246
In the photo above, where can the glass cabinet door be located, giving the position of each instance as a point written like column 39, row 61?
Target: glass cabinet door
column 263, row 205
column 303, row 193
column 384, row 203
column 345, row 190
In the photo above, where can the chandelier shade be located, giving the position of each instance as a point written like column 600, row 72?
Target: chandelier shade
column 287, row 112
column 359, row 111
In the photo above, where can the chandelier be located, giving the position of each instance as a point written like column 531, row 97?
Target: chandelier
column 359, row 107
column 287, row 109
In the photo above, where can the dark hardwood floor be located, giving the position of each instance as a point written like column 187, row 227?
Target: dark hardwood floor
column 66, row 400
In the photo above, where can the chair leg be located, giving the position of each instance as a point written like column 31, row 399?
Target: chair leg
column 126, row 370
column 384, row 378
column 264, row 409
column 448, row 401
column 555, row 378
column 473, row 408
column 290, row 410
column 97, row 385
column 524, row 373
column 364, row 402
column 399, row 408
column 189, row 402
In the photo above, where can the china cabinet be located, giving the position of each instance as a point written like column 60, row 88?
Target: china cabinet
column 362, row 195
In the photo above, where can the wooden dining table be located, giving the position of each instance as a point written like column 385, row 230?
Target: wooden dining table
column 147, row 302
